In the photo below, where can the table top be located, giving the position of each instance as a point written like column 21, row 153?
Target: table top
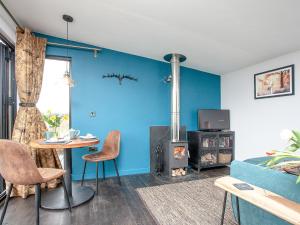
column 277, row 205
column 76, row 143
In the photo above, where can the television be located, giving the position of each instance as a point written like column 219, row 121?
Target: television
column 213, row 120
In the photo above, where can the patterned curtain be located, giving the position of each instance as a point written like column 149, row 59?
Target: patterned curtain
column 29, row 125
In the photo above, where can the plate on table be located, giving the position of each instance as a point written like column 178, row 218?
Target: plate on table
column 57, row 141
column 88, row 137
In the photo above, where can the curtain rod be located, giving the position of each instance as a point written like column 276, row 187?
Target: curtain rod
column 96, row 50
column 10, row 15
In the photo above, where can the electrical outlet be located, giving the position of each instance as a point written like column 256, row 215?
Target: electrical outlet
column 93, row 114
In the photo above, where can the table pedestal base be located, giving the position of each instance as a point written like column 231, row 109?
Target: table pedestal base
column 55, row 199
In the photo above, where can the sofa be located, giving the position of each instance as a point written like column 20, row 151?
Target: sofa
column 253, row 172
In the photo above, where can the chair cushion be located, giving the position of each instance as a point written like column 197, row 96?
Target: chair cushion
column 51, row 173
column 99, row 156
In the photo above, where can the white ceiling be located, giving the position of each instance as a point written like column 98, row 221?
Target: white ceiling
column 217, row 36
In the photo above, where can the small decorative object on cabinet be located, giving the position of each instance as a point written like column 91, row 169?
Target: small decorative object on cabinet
column 210, row 149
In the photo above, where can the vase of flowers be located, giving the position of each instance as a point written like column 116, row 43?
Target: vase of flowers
column 290, row 156
column 54, row 120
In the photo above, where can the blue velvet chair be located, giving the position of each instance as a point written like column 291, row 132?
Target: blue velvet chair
column 251, row 171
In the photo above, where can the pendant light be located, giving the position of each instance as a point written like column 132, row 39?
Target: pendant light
column 67, row 75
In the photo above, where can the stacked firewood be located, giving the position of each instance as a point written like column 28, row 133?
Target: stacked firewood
column 209, row 159
column 178, row 172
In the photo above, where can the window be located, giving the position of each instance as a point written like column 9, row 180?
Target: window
column 8, row 95
column 55, row 92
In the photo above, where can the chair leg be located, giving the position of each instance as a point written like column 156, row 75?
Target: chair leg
column 224, row 208
column 66, row 193
column 37, row 203
column 97, row 168
column 40, row 196
column 6, row 202
column 238, row 210
column 103, row 170
column 115, row 163
column 82, row 179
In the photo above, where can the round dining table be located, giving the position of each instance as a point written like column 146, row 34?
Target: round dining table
column 56, row 199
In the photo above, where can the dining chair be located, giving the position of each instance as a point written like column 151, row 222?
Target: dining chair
column 110, row 151
column 18, row 168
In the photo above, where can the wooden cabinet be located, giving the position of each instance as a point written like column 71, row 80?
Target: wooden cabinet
column 210, row 149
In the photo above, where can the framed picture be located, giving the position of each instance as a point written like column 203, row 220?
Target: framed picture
column 274, row 83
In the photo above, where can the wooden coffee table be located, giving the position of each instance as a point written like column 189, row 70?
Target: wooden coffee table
column 56, row 199
column 271, row 202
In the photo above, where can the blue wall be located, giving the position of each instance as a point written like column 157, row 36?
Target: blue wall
column 132, row 107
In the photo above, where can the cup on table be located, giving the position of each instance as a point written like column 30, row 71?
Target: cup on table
column 49, row 134
column 74, row 133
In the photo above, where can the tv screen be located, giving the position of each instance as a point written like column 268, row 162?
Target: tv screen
column 213, row 119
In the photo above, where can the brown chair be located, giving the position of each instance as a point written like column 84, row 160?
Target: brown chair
column 110, row 151
column 17, row 167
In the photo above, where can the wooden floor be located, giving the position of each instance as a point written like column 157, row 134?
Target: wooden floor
column 117, row 205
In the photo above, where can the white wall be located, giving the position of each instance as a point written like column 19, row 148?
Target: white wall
column 258, row 122
column 7, row 26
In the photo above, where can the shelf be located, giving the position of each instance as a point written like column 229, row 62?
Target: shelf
column 202, row 166
column 225, row 148
column 214, row 149
column 203, row 149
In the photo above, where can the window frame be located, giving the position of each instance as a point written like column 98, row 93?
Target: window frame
column 65, row 58
column 8, row 97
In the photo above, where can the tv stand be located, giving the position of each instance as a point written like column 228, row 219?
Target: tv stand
column 210, row 148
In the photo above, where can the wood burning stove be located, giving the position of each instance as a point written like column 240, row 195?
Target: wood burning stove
column 168, row 145
column 175, row 158
column 167, row 156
